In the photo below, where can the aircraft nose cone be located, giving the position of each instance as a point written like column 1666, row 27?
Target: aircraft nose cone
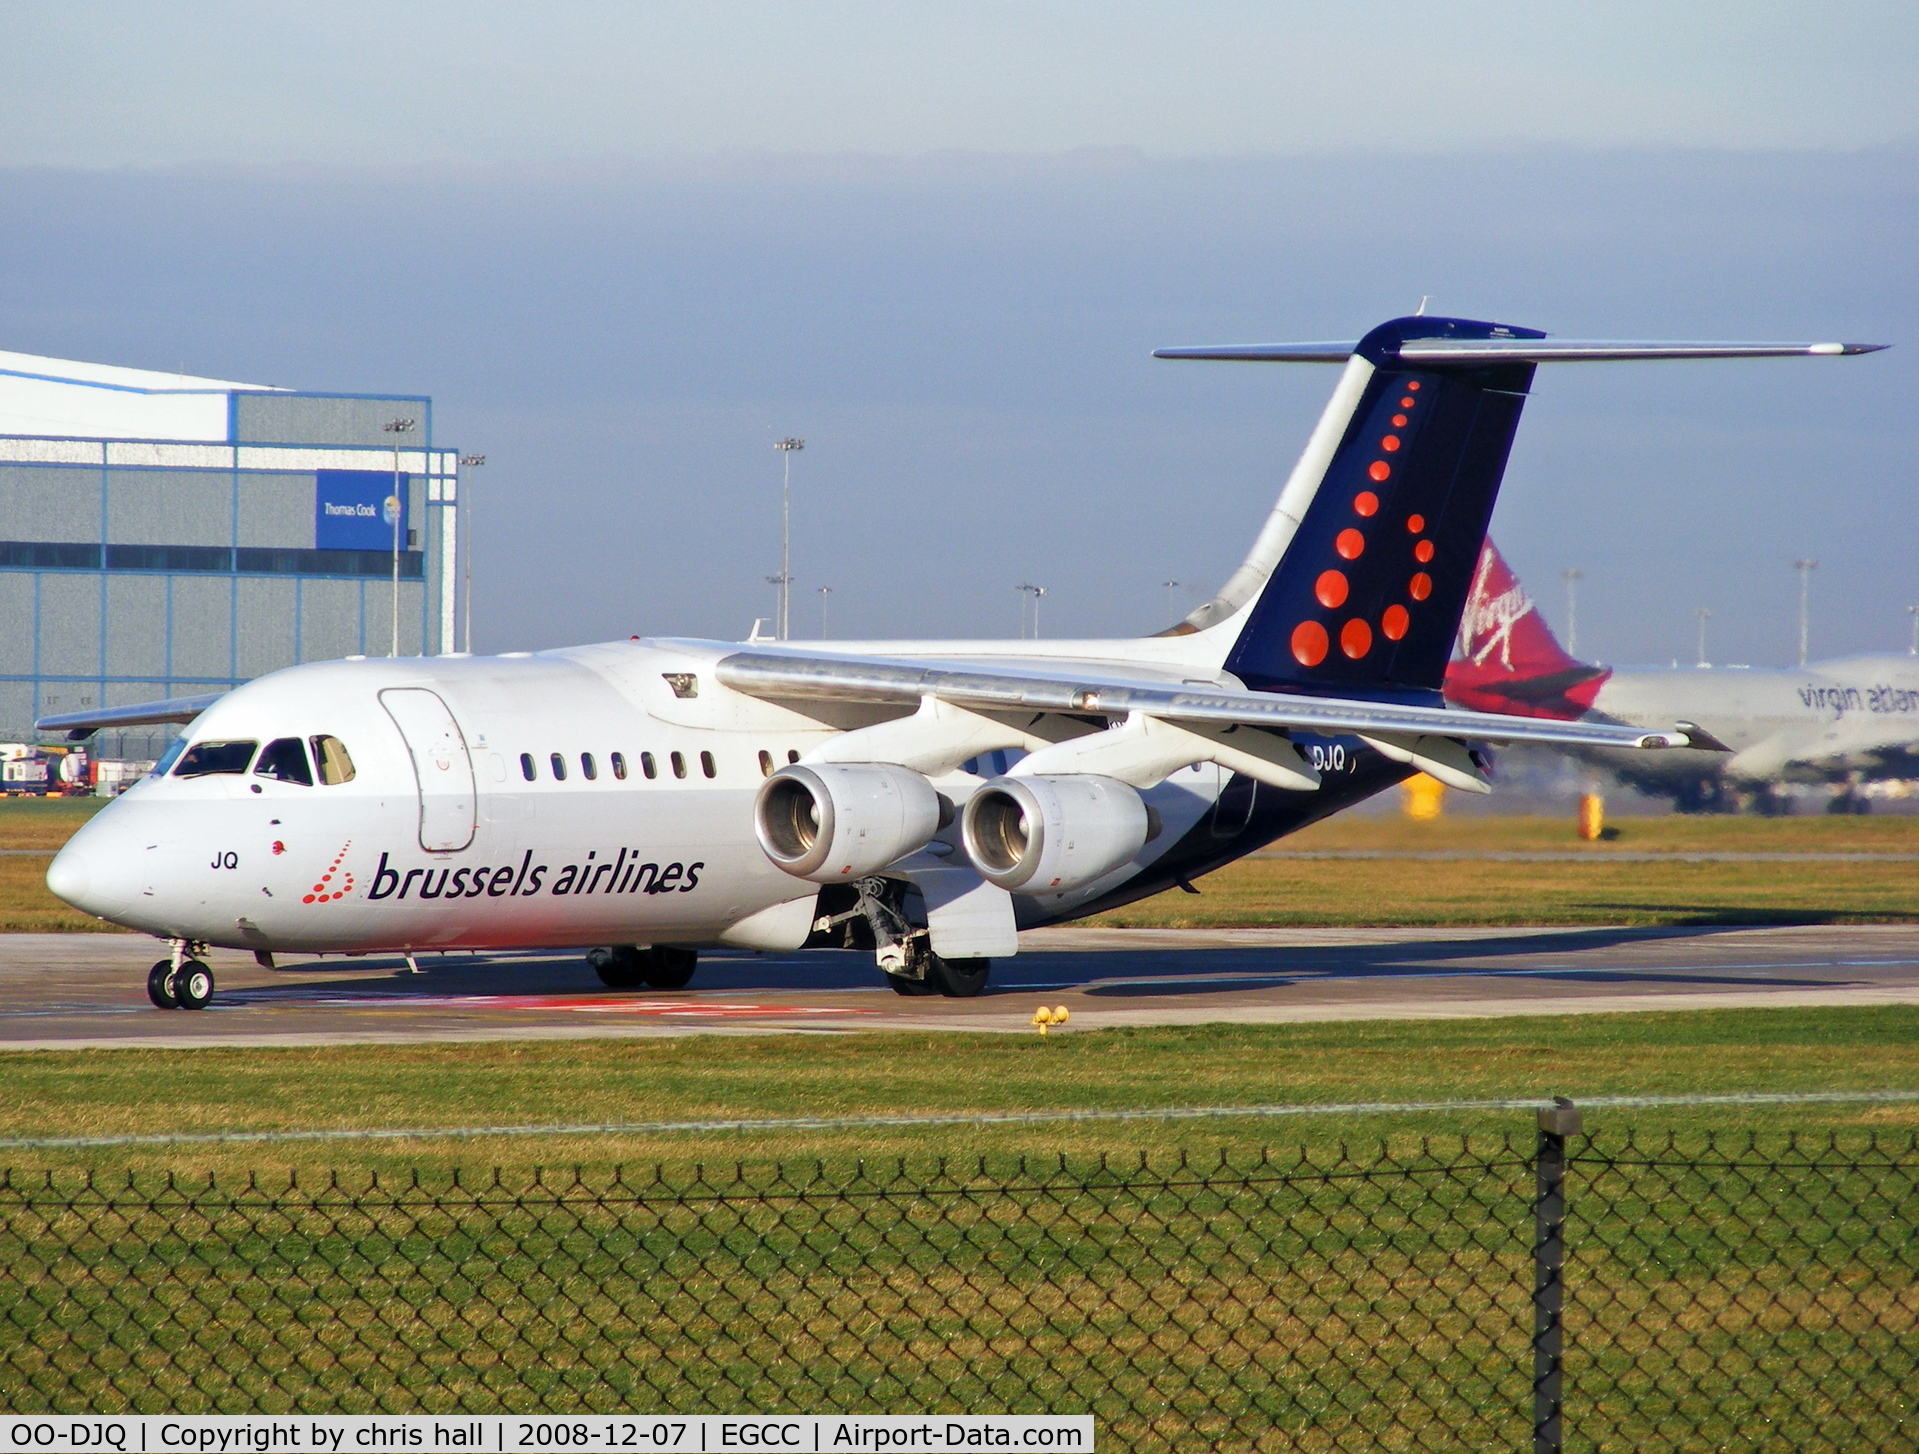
column 68, row 877
column 78, row 876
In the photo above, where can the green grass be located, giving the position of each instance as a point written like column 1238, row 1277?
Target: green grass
column 132, row 1092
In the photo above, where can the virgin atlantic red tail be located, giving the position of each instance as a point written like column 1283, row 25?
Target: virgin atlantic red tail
column 1509, row 660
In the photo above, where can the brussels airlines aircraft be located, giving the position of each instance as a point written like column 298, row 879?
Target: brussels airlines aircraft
column 1837, row 722
column 923, row 800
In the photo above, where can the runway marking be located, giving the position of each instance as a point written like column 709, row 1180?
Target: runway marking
column 987, row 1118
column 591, row 1005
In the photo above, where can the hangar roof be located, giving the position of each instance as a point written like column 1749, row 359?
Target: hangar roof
column 65, row 399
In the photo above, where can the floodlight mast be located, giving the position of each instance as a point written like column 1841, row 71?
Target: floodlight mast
column 787, row 447
column 396, row 511
column 1805, row 569
column 468, row 461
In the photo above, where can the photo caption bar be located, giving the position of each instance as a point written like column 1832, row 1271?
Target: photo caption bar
column 537, row 1434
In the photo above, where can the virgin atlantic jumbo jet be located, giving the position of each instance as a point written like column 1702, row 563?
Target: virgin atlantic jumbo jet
column 923, row 800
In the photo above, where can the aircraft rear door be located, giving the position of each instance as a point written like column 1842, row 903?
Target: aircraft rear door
column 441, row 766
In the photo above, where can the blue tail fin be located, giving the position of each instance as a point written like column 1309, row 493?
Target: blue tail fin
column 1369, row 592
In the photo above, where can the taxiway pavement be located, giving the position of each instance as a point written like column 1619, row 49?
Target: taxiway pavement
column 75, row 991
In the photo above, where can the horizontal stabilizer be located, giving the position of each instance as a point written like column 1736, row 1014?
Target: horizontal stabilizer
column 1470, row 351
column 84, row 724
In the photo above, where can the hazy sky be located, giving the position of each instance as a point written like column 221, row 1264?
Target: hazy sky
column 627, row 247
column 139, row 83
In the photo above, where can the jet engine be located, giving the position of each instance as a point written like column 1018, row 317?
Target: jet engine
column 832, row 822
column 1051, row 835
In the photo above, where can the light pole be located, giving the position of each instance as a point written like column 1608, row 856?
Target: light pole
column 1703, row 614
column 825, row 591
column 1805, row 569
column 1913, row 611
column 786, row 447
column 471, row 462
column 1572, row 578
column 1027, row 589
column 395, row 511
column 1172, row 599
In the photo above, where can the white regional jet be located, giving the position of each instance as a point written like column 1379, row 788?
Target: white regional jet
column 923, row 800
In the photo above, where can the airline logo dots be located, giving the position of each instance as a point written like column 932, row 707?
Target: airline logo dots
column 324, row 892
column 1311, row 641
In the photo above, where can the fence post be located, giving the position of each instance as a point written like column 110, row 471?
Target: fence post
column 1556, row 1123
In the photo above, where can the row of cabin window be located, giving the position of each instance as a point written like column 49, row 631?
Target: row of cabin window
column 590, row 767
column 649, row 768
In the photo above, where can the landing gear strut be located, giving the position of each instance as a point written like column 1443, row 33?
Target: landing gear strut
column 628, row 967
column 183, row 982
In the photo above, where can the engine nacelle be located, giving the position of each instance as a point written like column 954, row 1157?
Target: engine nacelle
column 839, row 821
column 1051, row 835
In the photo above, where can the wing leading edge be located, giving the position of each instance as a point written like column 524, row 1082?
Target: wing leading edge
column 793, row 675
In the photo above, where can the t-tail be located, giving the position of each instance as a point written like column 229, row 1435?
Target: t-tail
column 1509, row 660
column 1358, row 583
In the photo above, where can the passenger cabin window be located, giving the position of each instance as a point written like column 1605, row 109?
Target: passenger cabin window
column 766, row 763
column 648, row 766
column 527, row 769
column 589, row 769
column 706, row 764
column 207, row 759
column 679, row 764
column 792, row 755
column 618, row 759
column 559, row 768
column 330, row 757
column 285, row 758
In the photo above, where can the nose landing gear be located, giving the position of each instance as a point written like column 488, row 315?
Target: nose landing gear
column 183, row 982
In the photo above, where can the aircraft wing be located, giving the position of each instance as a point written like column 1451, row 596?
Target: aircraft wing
column 84, row 724
column 790, row 676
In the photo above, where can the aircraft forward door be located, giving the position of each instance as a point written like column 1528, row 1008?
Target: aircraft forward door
column 441, row 766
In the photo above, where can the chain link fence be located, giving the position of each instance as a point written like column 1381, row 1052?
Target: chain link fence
column 1431, row 1295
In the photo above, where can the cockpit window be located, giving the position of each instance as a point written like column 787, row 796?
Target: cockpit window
column 285, row 758
column 329, row 755
column 170, row 756
column 205, row 759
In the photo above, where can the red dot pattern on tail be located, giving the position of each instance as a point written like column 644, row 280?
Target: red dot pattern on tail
column 1420, row 587
column 1350, row 544
column 1355, row 638
column 1423, row 552
column 1330, row 589
column 1366, row 503
column 1309, row 643
column 1393, row 624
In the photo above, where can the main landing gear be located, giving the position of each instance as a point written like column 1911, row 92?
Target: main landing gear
column 903, row 950
column 183, row 982
column 628, row 967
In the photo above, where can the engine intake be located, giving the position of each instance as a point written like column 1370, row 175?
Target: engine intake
column 838, row 821
column 1053, row 834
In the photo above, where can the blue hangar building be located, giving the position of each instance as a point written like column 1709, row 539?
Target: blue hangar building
column 167, row 536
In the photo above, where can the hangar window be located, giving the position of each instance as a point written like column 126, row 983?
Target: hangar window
column 559, row 768
column 285, row 758
column 766, row 763
column 679, row 764
column 527, row 769
column 618, row 759
column 648, row 766
column 208, row 759
column 330, row 757
column 589, row 769
column 706, row 764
